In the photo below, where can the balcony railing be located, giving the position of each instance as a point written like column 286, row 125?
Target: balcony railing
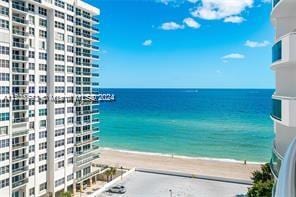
column 20, row 107
column 20, row 169
column 19, row 32
column 20, row 45
column 19, row 157
column 276, row 161
column 20, row 70
column 20, row 120
column 95, row 47
column 20, row 133
column 20, row 20
column 276, row 109
column 277, row 51
column 19, row 57
column 20, row 183
column 20, row 145
column 95, row 19
column 20, row 82
column 19, row 7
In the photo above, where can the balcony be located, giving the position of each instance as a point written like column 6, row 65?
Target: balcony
column 18, row 158
column 95, row 74
column 276, row 109
column 20, row 45
column 95, row 29
column 19, row 183
column 276, row 161
column 95, row 65
column 20, row 70
column 19, row 7
column 20, row 107
column 283, row 51
column 19, row 170
column 95, row 56
column 95, row 38
column 95, row 20
column 20, row 20
column 95, row 47
column 95, row 120
column 284, row 110
column 20, row 82
column 87, row 160
column 95, row 129
column 87, row 141
column 20, row 33
column 19, row 58
column 20, row 120
column 19, row 133
column 92, row 150
column 20, row 145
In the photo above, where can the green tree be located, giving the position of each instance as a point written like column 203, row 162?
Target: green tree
column 113, row 172
column 262, row 182
column 108, row 174
column 66, row 194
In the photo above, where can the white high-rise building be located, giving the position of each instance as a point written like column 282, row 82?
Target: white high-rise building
column 283, row 17
column 46, row 49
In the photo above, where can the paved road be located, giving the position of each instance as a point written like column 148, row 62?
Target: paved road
column 141, row 184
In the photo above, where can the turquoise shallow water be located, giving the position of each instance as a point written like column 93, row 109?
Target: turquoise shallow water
column 226, row 124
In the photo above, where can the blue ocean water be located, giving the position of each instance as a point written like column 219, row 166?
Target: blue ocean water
column 215, row 123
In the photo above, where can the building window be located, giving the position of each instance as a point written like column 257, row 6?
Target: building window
column 4, row 116
column 32, row 191
column 4, row 24
column 4, row 170
column 42, row 168
column 42, row 146
column 31, row 172
column 4, row 183
column 42, row 11
column 42, row 22
column 59, row 182
column 43, row 186
column 4, row 130
column 4, row 50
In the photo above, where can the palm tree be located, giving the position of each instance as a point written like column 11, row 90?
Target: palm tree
column 108, row 174
column 113, row 172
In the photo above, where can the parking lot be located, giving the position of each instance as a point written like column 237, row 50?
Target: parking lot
column 143, row 184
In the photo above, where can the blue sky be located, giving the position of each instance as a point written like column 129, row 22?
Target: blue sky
column 185, row 43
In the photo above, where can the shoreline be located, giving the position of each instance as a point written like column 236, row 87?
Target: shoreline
column 231, row 169
column 182, row 156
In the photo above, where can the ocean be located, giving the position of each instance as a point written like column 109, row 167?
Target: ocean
column 206, row 123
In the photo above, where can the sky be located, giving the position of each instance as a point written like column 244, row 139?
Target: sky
column 185, row 43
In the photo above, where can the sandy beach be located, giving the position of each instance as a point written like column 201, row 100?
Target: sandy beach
column 206, row 167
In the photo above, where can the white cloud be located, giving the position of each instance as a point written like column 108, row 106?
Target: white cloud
column 266, row 1
column 190, row 22
column 234, row 56
column 221, row 9
column 165, row 2
column 171, row 26
column 147, row 43
column 234, row 19
column 254, row 44
column 193, row 1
